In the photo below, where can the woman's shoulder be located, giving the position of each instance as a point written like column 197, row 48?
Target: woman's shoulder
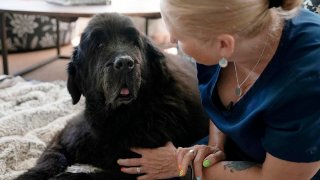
column 306, row 18
column 299, row 49
column 304, row 26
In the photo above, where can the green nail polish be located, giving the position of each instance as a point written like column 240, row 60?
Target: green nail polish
column 206, row 163
column 181, row 173
column 198, row 178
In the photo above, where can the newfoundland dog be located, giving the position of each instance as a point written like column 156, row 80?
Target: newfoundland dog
column 136, row 96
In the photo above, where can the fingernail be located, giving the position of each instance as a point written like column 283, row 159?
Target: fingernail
column 179, row 166
column 119, row 161
column 181, row 173
column 198, row 178
column 206, row 163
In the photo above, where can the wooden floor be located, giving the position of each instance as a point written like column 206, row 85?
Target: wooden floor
column 53, row 71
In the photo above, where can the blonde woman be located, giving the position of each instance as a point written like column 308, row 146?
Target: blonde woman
column 259, row 76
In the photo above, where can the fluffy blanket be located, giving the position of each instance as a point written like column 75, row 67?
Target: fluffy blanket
column 30, row 114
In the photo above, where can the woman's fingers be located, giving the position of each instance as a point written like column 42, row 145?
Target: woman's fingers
column 202, row 152
column 132, row 170
column 201, row 156
column 188, row 157
column 129, row 162
column 161, row 163
column 155, row 163
column 213, row 158
column 180, row 155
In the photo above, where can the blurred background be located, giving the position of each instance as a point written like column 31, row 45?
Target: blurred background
column 31, row 39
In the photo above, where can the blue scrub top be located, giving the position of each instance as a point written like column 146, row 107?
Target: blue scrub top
column 280, row 114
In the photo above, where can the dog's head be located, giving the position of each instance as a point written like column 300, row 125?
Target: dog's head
column 109, row 65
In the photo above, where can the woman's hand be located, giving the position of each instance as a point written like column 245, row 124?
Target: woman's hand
column 158, row 163
column 202, row 156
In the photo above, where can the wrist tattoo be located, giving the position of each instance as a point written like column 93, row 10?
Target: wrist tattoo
column 238, row 165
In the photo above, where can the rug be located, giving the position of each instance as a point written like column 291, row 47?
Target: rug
column 31, row 113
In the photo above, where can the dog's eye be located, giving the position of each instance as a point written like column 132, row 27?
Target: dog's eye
column 136, row 43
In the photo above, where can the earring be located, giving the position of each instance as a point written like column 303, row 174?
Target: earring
column 223, row 62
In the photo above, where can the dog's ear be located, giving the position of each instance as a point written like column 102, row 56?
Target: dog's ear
column 73, row 83
column 152, row 52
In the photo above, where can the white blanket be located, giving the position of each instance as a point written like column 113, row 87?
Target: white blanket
column 30, row 114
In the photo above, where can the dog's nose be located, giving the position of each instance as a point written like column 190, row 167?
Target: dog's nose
column 123, row 63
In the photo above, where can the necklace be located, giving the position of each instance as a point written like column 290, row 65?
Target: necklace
column 238, row 90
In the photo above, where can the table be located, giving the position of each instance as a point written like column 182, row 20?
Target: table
column 148, row 9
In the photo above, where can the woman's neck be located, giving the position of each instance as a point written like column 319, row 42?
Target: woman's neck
column 259, row 49
column 251, row 56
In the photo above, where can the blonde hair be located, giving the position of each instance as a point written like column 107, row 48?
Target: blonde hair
column 204, row 18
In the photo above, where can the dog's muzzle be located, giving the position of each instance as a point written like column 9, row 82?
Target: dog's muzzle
column 123, row 63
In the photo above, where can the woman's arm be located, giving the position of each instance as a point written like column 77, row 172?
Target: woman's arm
column 166, row 162
column 203, row 155
column 272, row 168
column 216, row 137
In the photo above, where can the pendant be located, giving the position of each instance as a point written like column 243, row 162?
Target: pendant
column 238, row 91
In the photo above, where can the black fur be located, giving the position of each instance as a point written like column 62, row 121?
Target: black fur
column 163, row 104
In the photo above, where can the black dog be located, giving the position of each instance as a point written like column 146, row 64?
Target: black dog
column 136, row 96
